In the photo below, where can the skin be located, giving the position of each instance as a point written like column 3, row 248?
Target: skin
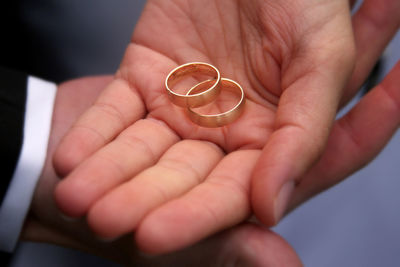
column 134, row 162
column 44, row 223
column 246, row 244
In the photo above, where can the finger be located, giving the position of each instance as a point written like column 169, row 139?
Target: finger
column 68, row 99
column 244, row 245
column 374, row 24
column 356, row 138
column 117, row 107
column 137, row 148
column 253, row 245
column 36, row 231
column 182, row 167
column 220, row 202
column 305, row 114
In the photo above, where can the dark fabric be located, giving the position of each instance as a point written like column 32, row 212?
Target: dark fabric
column 14, row 52
column 12, row 109
column 5, row 258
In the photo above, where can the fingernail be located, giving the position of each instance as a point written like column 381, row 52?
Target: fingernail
column 253, row 219
column 282, row 200
column 68, row 218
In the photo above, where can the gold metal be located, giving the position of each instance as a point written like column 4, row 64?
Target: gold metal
column 199, row 99
column 221, row 119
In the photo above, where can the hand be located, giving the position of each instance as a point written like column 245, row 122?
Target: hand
column 239, row 245
column 139, row 164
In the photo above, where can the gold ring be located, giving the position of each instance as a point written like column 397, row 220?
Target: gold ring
column 198, row 99
column 221, row 119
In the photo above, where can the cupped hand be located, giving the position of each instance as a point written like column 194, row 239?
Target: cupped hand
column 135, row 162
column 244, row 245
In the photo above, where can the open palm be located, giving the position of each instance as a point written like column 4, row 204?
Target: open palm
column 135, row 162
column 228, row 248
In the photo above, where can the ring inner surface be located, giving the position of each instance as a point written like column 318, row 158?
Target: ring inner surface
column 187, row 77
column 198, row 74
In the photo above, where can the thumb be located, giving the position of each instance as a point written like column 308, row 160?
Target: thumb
column 304, row 118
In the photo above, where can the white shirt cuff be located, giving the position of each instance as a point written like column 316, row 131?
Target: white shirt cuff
column 37, row 124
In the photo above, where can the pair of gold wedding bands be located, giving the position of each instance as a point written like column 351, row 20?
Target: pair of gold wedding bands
column 204, row 93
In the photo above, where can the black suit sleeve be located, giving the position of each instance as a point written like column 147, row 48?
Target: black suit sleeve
column 12, row 109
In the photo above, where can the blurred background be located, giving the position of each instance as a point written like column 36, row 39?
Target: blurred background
column 356, row 223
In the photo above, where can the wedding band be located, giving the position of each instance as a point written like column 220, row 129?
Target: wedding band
column 198, row 99
column 221, row 119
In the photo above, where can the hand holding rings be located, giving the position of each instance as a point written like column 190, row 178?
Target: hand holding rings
column 204, row 93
